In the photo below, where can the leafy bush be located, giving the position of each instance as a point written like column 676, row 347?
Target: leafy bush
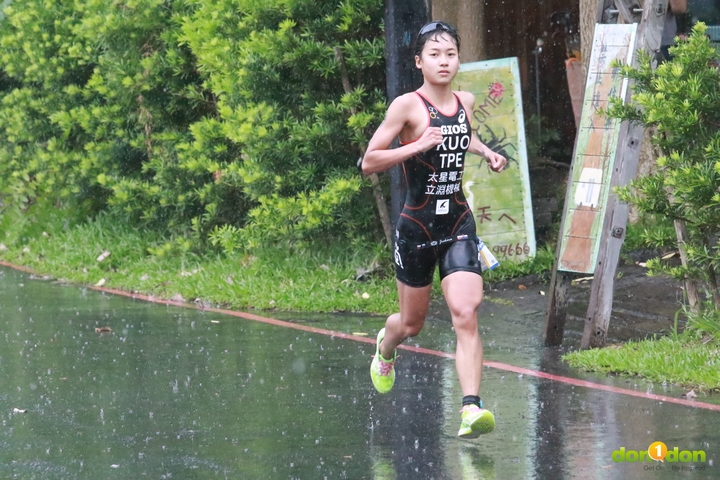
column 681, row 99
column 186, row 116
column 281, row 101
column 102, row 95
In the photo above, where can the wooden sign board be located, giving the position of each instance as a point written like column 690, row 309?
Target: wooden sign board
column 595, row 149
column 500, row 201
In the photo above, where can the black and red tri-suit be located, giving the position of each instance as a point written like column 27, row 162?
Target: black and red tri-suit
column 436, row 224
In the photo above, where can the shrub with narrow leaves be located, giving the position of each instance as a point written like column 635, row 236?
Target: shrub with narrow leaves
column 681, row 100
column 282, row 105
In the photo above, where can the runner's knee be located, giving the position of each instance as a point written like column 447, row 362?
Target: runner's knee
column 413, row 330
column 464, row 317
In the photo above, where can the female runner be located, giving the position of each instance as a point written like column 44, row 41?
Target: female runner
column 436, row 226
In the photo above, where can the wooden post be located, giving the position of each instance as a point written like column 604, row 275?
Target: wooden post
column 612, row 229
column 554, row 329
column 612, row 237
column 556, row 314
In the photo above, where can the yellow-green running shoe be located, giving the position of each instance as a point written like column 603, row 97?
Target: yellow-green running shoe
column 475, row 422
column 382, row 371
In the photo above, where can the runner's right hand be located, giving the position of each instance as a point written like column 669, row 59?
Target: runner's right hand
column 431, row 137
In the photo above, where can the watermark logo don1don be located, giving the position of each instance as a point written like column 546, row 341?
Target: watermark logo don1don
column 659, row 452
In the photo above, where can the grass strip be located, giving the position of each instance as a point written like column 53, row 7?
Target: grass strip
column 310, row 279
column 320, row 278
column 681, row 359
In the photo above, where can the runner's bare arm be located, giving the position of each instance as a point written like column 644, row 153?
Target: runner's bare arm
column 495, row 160
column 377, row 156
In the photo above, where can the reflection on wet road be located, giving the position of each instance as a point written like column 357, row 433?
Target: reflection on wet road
column 180, row 393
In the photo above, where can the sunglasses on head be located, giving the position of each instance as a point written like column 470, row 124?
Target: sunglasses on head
column 432, row 26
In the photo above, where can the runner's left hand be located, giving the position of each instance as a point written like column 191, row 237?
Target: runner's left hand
column 496, row 161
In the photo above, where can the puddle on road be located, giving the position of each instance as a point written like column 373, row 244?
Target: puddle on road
column 179, row 393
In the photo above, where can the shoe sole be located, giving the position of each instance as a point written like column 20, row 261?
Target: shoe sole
column 482, row 426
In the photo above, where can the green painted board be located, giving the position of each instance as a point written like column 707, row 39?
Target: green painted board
column 595, row 150
column 501, row 201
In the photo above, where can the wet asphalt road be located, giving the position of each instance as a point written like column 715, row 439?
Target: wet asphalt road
column 174, row 392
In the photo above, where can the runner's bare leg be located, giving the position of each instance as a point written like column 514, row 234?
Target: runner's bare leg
column 463, row 294
column 414, row 303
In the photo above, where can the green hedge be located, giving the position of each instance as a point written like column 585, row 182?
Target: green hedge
column 224, row 120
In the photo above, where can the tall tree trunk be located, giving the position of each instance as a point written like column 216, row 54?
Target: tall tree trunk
column 646, row 165
column 712, row 276
column 690, row 285
column 467, row 16
column 713, row 280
